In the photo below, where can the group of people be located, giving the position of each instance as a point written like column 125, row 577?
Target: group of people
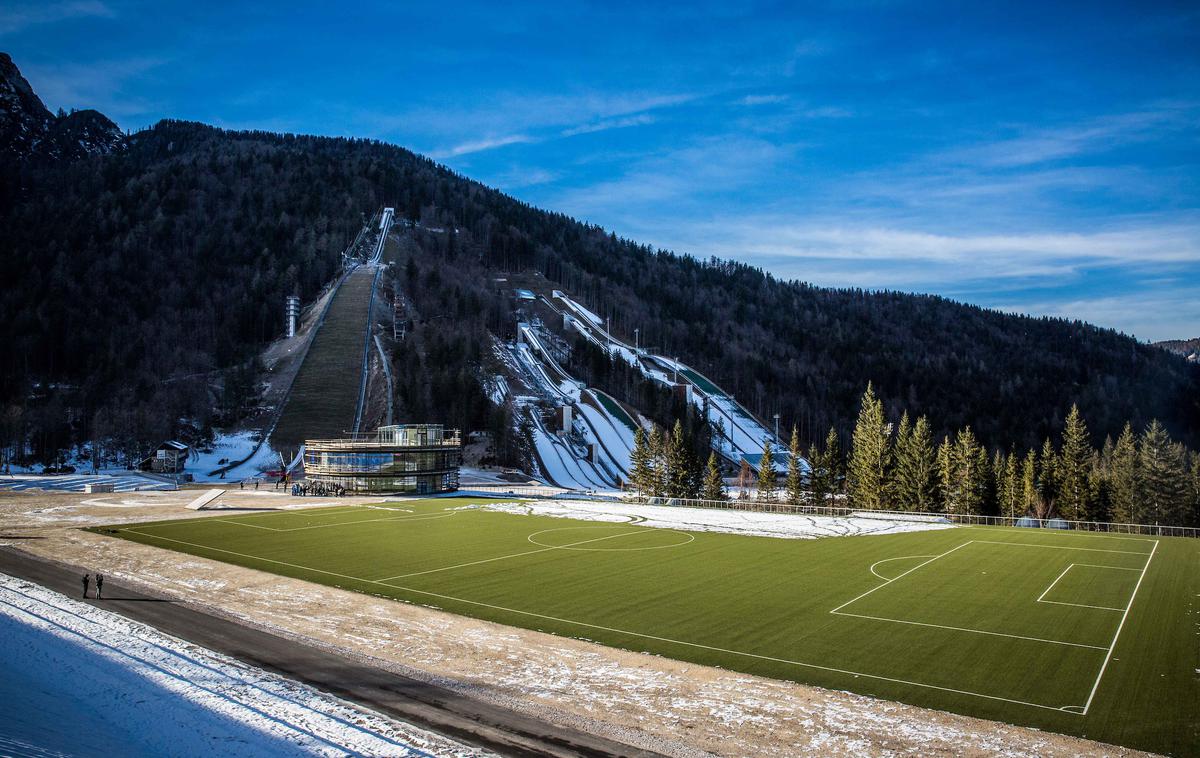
column 87, row 578
column 318, row 489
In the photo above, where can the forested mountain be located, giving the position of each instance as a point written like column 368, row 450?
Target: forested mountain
column 134, row 277
column 1189, row 349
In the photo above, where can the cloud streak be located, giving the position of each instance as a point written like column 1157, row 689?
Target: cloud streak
column 18, row 17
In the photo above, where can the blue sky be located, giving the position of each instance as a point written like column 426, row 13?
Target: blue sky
column 1040, row 158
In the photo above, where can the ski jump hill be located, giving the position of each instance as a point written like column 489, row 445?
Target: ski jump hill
column 591, row 444
column 328, row 394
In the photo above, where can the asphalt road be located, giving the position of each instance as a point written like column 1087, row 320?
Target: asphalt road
column 435, row 708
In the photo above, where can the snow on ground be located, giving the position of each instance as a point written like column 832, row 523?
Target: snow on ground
column 227, row 447
column 80, row 680
column 750, row 523
column 120, row 479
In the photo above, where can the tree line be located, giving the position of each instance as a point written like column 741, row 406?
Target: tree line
column 1141, row 477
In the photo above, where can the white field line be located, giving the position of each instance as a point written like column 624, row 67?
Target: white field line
column 1081, row 605
column 972, row 631
column 341, row 523
column 1064, row 547
column 696, row 645
column 906, row 573
column 514, row 555
column 1060, row 576
column 1030, row 531
column 897, row 558
column 1120, row 626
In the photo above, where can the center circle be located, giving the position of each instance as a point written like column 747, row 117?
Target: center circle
column 608, row 538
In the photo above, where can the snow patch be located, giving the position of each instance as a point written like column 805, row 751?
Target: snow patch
column 81, row 680
column 748, row 523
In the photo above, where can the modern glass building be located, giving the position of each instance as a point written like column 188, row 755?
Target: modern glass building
column 411, row 458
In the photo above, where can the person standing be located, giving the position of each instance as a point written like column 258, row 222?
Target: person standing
column 99, row 586
column 86, row 578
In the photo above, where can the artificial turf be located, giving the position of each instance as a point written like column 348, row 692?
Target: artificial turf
column 1007, row 624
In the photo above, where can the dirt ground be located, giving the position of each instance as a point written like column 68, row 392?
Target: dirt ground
column 664, row 705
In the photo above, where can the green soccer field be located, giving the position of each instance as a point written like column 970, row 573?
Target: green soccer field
column 1093, row 635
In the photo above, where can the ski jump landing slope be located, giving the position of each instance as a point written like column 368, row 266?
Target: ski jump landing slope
column 610, row 437
column 741, row 436
column 325, row 395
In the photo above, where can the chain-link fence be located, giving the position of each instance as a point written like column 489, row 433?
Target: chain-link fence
column 969, row 519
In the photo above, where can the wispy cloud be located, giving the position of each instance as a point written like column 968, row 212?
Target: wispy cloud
column 19, row 16
column 752, row 100
column 640, row 119
column 1150, row 314
column 487, row 143
column 522, row 120
column 974, row 256
column 1093, row 135
column 679, row 178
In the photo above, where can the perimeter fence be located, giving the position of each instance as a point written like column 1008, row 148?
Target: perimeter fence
column 966, row 519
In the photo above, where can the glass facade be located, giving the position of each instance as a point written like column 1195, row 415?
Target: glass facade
column 415, row 459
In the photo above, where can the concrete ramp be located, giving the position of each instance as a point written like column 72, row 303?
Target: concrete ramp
column 205, row 499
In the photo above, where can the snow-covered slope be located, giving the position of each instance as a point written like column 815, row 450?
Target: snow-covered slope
column 79, row 680
column 741, row 435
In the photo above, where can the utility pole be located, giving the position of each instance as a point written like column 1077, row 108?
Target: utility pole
column 675, row 365
column 776, row 426
column 636, row 339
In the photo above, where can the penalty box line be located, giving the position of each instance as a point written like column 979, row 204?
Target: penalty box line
column 696, row 645
column 1041, row 597
column 839, row 612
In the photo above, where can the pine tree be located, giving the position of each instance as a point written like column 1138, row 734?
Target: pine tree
column 766, row 473
column 869, row 455
column 794, row 483
column 714, row 485
column 835, row 469
column 894, row 498
column 965, row 474
column 1073, row 466
column 915, row 479
column 820, row 486
column 1163, row 475
column 678, row 468
column 1029, row 484
column 947, row 473
column 641, row 468
column 1009, row 492
column 1047, row 480
column 655, row 446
